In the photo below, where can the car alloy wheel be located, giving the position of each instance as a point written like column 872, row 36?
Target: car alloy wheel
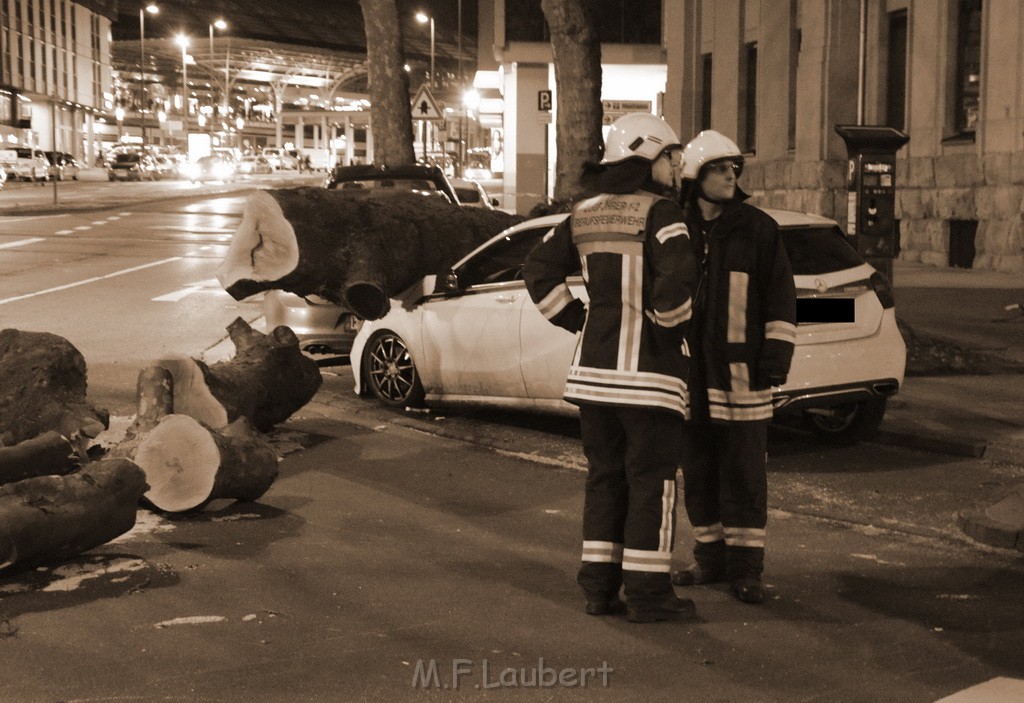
column 391, row 373
column 848, row 423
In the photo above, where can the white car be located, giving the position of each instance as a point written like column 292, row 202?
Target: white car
column 473, row 194
column 474, row 335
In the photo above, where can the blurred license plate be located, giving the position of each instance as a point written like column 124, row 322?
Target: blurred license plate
column 824, row 310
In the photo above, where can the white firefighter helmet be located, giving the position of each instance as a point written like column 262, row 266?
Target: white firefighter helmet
column 706, row 147
column 638, row 134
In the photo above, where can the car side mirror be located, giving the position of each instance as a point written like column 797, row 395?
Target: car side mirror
column 448, row 283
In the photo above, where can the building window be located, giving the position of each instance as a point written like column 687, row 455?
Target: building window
column 705, row 91
column 896, row 71
column 968, row 67
column 616, row 21
column 748, row 98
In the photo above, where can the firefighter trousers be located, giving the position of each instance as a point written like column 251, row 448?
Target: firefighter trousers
column 725, row 491
column 629, row 503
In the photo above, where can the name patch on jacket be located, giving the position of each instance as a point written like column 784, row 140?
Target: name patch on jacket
column 608, row 214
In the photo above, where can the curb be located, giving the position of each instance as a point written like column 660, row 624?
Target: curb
column 932, row 442
column 981, row 528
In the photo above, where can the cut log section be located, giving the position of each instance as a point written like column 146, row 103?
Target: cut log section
column 49, row 454
column 266, row 380
column 188, row 464
column 49, row 518
column 42, row 388
column 154, row 398
column 353, row 251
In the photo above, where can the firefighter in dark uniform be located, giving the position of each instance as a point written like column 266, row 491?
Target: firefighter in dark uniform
column 742, row 340
column 628, row 375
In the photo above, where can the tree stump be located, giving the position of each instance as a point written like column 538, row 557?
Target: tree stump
column 49, row 454
column 187, row 464
column 356, row 252
column 50, row 518
column 43, row 387
column 267, row 380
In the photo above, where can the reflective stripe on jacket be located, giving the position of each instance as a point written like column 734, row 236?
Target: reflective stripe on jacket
column 747, row 320
column 638, row 266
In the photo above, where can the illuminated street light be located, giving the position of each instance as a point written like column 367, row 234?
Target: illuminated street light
column 152, row 9
column 423, row 18
column 182, row 41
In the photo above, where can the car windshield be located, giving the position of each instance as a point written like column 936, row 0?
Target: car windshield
column 24, row 153
column 467, row 195
column 127, row 158
column 817, row 250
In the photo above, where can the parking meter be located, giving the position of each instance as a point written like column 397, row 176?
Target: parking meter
column 871, row 182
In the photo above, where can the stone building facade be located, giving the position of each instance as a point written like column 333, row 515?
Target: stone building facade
column 779, row 75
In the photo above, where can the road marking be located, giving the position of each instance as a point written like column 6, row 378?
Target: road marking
column 64, row 231
column 209, row 285
column 99, row 222
column 124, row 214
column 20, row 243
column 196, row 230
column 82, row 228
column 66, row 286
column 1001, row 689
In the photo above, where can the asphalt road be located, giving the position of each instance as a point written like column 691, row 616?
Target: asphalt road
column 395, row 538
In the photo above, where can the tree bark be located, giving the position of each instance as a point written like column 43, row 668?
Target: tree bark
column 49, row 518
column 390, row 112
column 49, row 454
column 352, row 251
column 577, row 58
column 266, row 381
column 187, row 464
column 154, row 399
column 43, row 387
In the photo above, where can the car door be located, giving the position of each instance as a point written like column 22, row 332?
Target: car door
column 473, row 337
column 547, row 350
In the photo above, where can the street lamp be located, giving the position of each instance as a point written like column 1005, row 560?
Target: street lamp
column 152, row 9
column 423, row 18
column 222, row 25
column 182, row 41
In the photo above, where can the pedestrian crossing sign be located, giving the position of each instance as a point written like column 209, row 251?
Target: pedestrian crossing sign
column 424, row 107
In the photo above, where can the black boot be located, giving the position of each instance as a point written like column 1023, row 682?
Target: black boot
column 671, row 608
column 600, row 605
column 749, row 589
column 699, row 575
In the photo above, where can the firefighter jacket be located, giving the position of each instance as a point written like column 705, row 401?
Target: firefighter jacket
column 639, row 270
column 745, row 325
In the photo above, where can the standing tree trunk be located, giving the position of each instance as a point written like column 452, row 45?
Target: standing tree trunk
column 390, row 113
column 577, row 57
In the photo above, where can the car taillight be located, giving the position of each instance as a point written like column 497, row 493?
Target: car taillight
column 883, row 290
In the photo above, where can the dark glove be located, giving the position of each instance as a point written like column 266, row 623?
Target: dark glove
column 769, row 378
column 573, row 316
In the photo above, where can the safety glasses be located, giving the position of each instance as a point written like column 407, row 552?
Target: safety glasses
column 722, row 167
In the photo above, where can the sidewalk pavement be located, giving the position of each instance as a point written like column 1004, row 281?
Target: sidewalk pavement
column 967, row 415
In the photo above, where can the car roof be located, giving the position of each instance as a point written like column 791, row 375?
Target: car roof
column 791, row 218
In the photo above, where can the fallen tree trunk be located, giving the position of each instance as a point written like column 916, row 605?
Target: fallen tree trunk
column 266, row 380
column 49, row 454
column 42, row 388
column 187, row 464
column 154, row 398
column 357, row 252
column 49, row 518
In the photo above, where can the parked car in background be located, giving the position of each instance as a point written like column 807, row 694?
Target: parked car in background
column 63, row 166
column 280, row 158
column 166, row 167
column 254, row 164
column 211, row 168
column 25, row 164
column 372, row 180
column 3, row 177
column 132, row 166
column 473, row 194
column 474, row 335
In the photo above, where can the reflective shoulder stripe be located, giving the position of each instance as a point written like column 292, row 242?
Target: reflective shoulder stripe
column 673, row 230
column 782, row 331
column 555, row 301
